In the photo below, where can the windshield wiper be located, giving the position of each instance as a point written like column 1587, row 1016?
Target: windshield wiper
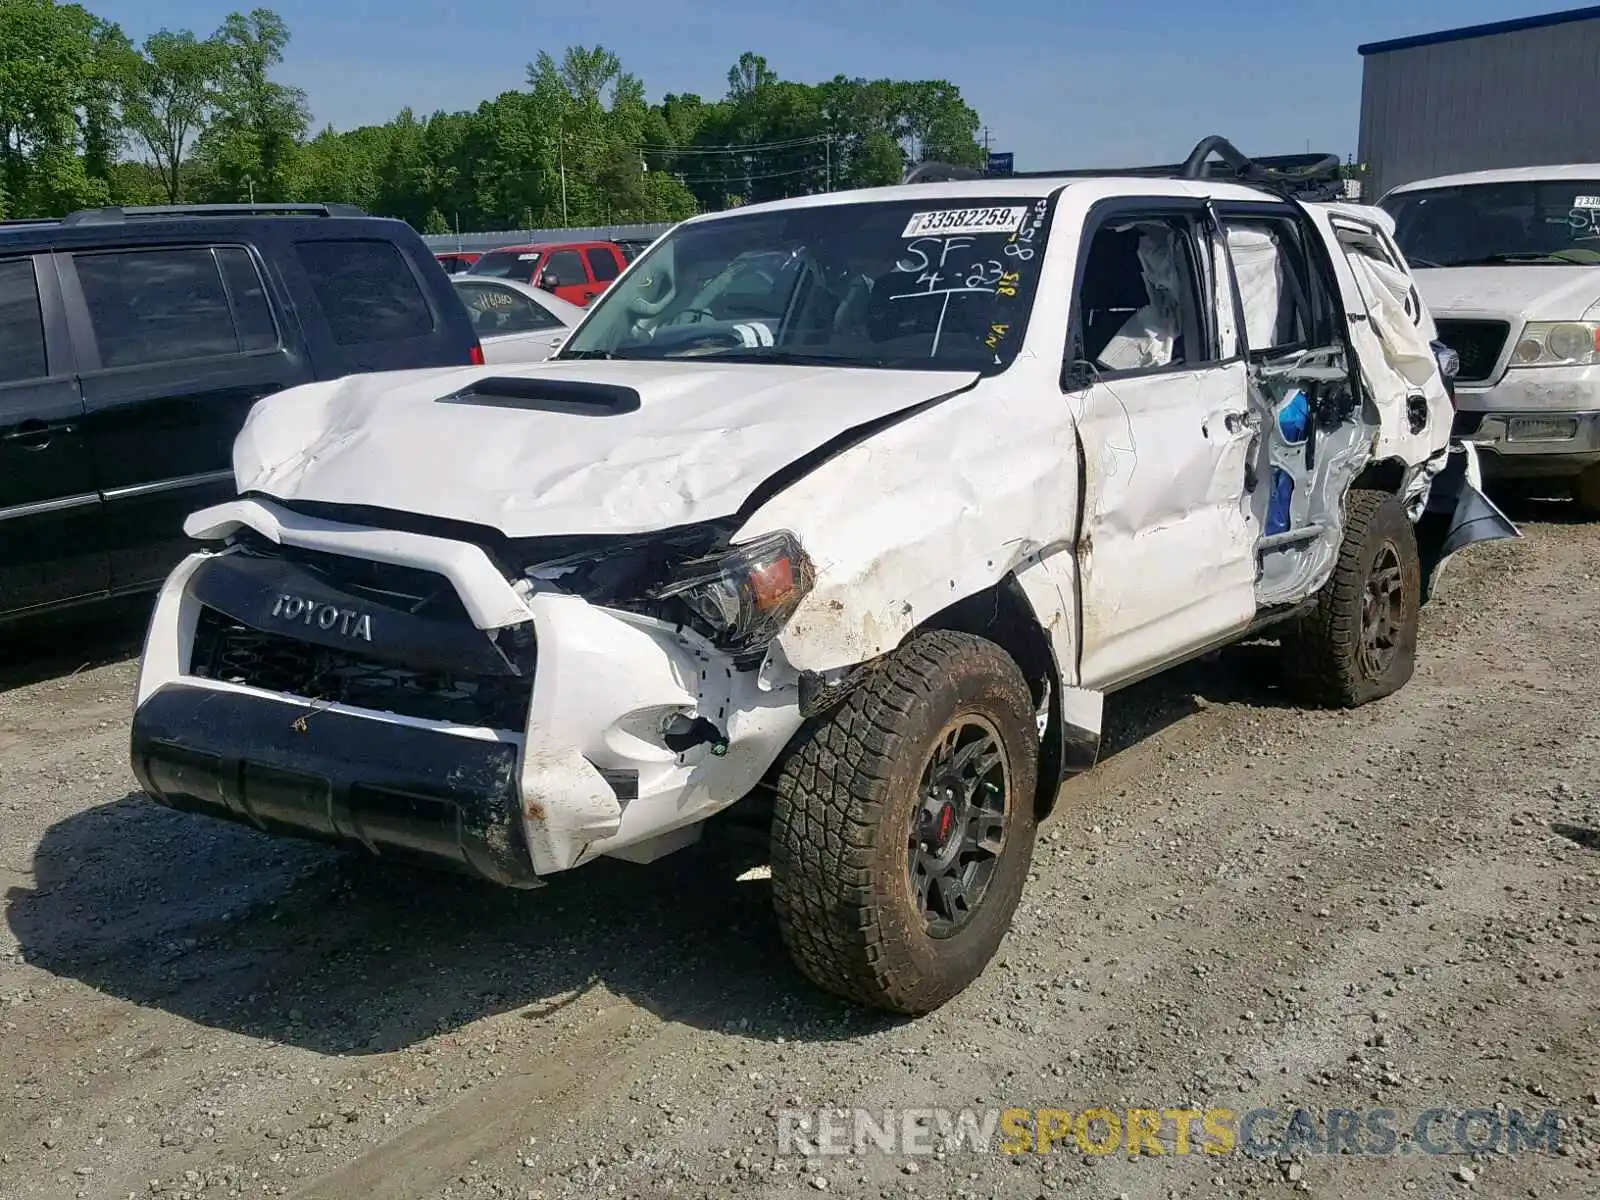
column 587, row 354
column 1424, row 262
column 797, row 358
column 1496, row 260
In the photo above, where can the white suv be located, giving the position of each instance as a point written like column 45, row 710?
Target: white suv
column 849, row 509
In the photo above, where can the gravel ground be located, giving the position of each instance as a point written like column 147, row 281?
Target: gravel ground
column 1245, row 905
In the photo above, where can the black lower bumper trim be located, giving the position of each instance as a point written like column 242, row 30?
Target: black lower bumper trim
column 401, row 792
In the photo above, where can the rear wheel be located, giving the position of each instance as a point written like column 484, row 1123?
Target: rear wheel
column 904, row 824
column 1359, row 643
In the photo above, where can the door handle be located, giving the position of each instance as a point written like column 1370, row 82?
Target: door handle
column 1235, row 421
column 35, row 434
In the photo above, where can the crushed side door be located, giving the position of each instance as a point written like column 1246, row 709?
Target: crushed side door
column 1314, row 431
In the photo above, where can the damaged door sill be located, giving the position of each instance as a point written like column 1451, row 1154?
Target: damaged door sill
column 1290, row 537
column 1264, row 619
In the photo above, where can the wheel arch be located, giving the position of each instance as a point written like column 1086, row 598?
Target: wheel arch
column 1381, row 475
column 1003, row 613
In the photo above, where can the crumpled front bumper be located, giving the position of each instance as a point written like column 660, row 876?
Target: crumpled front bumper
column 589, row 772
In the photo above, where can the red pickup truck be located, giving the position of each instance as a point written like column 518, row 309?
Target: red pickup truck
column 575, row 271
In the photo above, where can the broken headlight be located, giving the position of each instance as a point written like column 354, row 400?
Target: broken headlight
column 747, row 594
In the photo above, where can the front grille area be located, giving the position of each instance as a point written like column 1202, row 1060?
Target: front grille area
column 422, row 593
column 1477, row 343
column 234, row 653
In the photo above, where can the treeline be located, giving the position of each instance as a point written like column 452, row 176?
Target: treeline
column 89, row 118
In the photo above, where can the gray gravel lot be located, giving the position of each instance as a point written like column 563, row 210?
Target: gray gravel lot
column 1245, row 905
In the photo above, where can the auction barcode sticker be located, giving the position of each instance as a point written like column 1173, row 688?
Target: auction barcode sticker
column 1586, row 202
column 949, row 222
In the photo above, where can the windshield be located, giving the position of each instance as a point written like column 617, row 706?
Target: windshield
column 508, row 264
column 1537, row 222
column 925, row 284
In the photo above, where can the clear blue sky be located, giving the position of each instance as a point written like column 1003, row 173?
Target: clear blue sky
column 1059, row 83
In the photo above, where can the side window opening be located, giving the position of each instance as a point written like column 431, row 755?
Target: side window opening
column 156, row 306
column 1139, row 298
column 22, row 351
column 499, row 310
column 366, row 290
column 247, row 297
column 1366, row 245
column 603, row 263
column 567, row 268
column 1270, row 269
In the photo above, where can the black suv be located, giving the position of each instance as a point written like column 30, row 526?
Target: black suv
column 133, row 343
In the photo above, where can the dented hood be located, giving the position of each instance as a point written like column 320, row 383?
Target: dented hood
column 1539, row 292
column 701, row 440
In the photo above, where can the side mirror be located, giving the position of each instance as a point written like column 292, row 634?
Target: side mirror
column 547, row 281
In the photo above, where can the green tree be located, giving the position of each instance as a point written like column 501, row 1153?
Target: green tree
column 59, row 66
column 169, row 98
column 252, row 144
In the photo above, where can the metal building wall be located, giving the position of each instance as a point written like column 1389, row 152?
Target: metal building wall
column 1521, row 98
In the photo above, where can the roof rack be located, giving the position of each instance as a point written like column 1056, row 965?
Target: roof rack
column 17, row 222
column 116, row 215
column 1302, row 176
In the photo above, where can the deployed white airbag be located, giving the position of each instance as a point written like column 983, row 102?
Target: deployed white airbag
column 1146, row 339
column 1258, row 270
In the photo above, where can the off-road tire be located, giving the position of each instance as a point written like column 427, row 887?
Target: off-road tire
column 847, row 791
column 1323, row 658
column 1586, row 493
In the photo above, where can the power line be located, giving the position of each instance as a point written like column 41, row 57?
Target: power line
column 736, row 177
column 753, row 147
column 599, row 141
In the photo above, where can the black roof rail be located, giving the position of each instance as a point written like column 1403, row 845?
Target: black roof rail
column 116, row 215
column 1303, row 176
column 14, row 222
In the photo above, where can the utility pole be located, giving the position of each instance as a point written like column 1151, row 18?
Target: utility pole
column 827, row 152
column 251, row 184
column 561, row 154
column 986, row 140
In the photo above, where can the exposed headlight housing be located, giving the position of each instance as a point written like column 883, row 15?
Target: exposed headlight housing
column 746, row 595
column 1558, row 344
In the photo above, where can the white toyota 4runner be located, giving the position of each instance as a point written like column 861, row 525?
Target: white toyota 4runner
column 853, row 506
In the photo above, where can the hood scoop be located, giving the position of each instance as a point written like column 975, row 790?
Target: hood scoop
column 572, row 397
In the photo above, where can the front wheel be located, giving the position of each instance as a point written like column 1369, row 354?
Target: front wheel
column 903, row 825
column 1359, row 642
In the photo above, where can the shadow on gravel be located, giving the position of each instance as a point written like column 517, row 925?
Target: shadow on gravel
column 47, row 647
column 289, row 941
column 1536, row 502
column 1249, row 673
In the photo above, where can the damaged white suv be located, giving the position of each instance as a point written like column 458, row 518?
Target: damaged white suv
column 854, row 506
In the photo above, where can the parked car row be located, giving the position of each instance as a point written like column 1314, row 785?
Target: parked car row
column 575, row 272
